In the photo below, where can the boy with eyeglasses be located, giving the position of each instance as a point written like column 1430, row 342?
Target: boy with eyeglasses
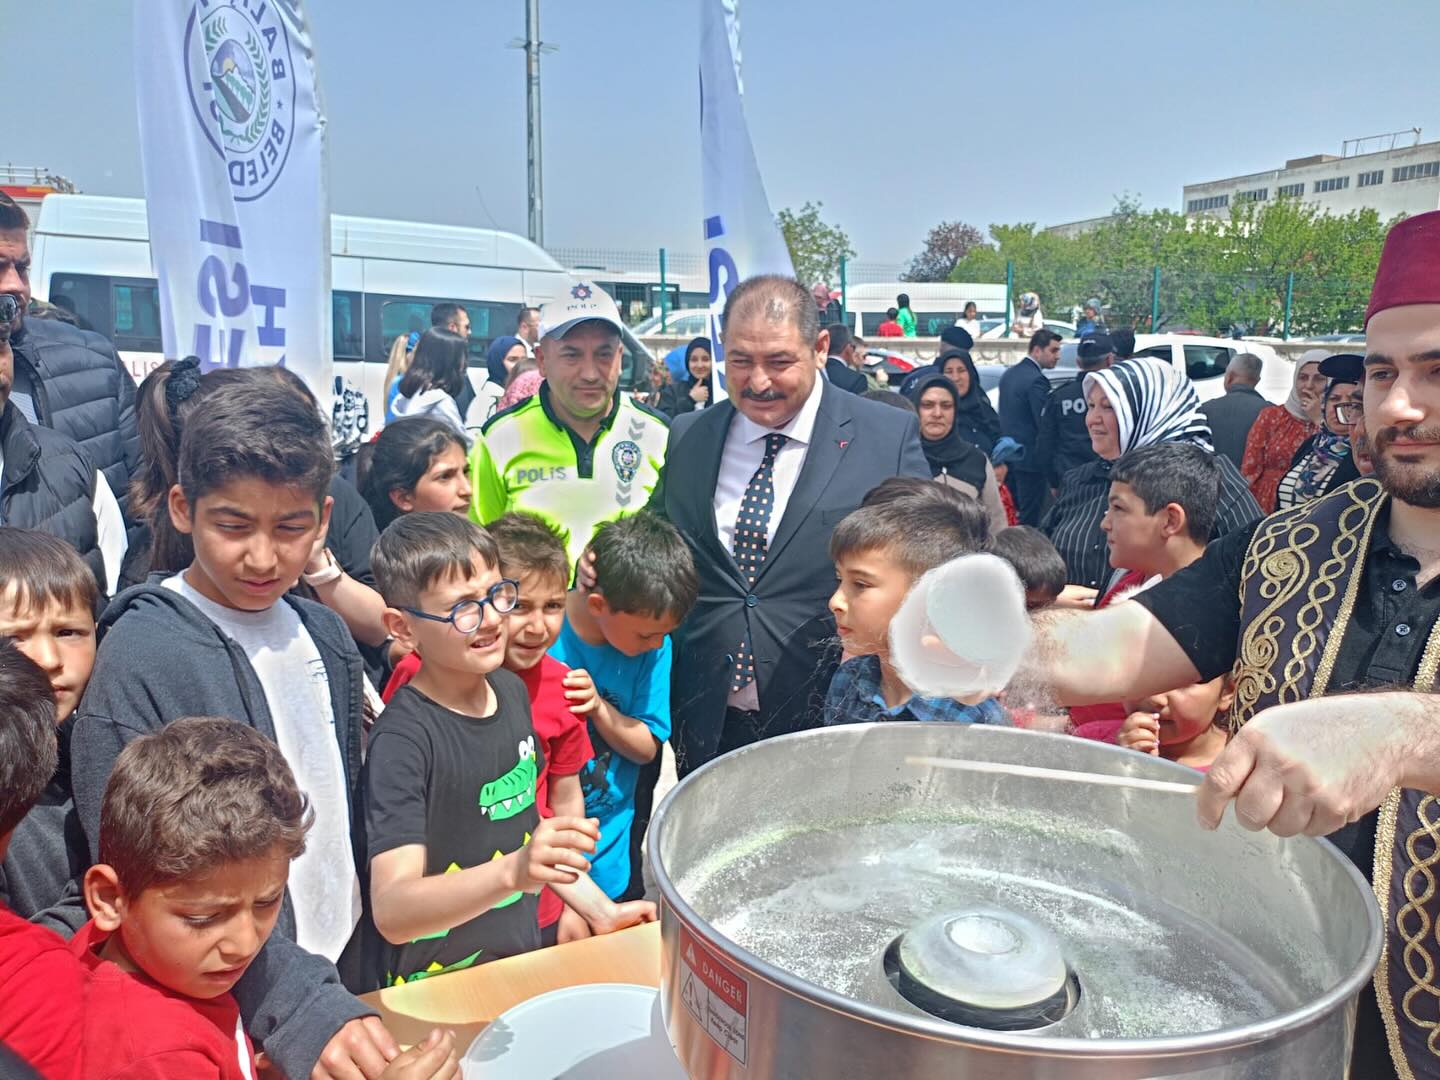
column 456, row 846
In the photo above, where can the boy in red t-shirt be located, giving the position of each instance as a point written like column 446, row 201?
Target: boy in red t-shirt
column 199, row 824
column 40, row 1007
column 533, row 553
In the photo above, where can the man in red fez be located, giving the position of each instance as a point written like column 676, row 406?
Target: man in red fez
column 1325, row 614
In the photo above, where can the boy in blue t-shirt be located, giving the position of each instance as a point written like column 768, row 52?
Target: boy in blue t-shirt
column 615, row 639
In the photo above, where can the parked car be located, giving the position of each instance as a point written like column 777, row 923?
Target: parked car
column 686, row 322
column 895, row 365
column 1202, row 359
column 995, row 328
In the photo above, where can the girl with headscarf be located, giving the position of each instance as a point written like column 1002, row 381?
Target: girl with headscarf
column 976, row 420
column 1324, row 460
column 1137, row 402
column 1279, row 430
column 954, row 460
column 689, row 394
column 500, row 359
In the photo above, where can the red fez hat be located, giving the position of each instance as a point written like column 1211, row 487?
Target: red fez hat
column 1409, row 270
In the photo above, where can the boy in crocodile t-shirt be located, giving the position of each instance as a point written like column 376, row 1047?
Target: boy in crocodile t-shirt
column 456, row 845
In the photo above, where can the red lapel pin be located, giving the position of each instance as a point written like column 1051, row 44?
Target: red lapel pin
column 843, row 443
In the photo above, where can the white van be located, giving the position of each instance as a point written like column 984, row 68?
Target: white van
column 91, row 255
column 936, row 304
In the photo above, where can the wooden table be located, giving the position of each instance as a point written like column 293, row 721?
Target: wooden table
column 466, row 1001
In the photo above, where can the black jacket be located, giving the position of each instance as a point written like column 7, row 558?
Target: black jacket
column 161, row 659
column 675, row 399
column 83, row 391
column 1063, row 443
column 855, row 445
column 1024, row 390
column 844, row 376
column 1231, row 417
column 48, row 484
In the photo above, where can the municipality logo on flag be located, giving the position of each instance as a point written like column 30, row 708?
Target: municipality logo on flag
column 242, row 89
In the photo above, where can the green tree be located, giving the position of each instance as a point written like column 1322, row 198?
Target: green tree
column 1215, row 273
column 816, row 247
column 945, row 245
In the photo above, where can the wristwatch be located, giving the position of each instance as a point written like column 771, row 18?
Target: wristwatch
column 331, row 571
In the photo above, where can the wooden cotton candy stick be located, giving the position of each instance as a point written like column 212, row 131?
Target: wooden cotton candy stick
column 1037, row 773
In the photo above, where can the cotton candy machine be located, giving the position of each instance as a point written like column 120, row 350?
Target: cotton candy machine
column 830, row 911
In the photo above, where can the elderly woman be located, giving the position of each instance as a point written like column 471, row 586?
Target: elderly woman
column 1324, row 461
column 1135, row 403
column 1279, row 430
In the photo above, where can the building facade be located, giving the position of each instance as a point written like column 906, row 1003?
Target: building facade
column 1390, row 182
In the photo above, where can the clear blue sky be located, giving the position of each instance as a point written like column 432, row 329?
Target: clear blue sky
column 953, row 110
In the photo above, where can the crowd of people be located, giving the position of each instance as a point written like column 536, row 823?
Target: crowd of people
column 274, row 734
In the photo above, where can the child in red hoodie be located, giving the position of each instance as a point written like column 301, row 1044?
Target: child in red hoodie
column 198, row 827
column 44, row 987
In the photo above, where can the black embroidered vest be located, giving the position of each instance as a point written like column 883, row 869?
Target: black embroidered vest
column 1301, row 576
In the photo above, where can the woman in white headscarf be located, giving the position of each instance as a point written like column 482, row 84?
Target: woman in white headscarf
column 1134, row 403
column 1279, row 430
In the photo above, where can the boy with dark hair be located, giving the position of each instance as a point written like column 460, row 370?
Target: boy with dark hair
column 453, row 877
column 38, row 1024
column 616, row 640
column 880, row 551
column 198, row 829
column 224, row 638
column 1036, row 561
column 48, row 598
column 532, row 553
column 1163, row 502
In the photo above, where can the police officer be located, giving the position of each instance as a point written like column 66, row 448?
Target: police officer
column 1064, row 443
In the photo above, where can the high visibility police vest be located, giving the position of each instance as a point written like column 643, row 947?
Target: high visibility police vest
column 526, row 459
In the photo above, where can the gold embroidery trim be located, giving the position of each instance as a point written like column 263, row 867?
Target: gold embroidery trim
column 1279, row 564
column 1384, row 854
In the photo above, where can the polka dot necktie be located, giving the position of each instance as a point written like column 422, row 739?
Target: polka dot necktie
column 752, row 527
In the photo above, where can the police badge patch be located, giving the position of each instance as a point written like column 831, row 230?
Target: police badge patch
column 626, row 459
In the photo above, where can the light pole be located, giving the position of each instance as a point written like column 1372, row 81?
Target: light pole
column 533, row 47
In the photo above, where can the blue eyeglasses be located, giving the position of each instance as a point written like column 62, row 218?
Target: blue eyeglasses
column 467, row 615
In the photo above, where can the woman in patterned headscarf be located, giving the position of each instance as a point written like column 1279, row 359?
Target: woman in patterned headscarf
column 1279, row 430
column 1135, row 403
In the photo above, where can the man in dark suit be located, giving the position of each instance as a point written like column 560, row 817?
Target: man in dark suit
column 1232, row 416
column 1024, row 390
column 756, row 485
column 840, row 364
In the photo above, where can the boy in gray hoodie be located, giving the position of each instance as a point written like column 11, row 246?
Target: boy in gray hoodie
column 224, row 638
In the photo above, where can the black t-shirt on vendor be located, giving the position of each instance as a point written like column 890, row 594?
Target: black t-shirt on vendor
column 463, row 786
column 1382, row 646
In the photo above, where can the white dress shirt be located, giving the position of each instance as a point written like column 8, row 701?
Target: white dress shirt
column 743, row 451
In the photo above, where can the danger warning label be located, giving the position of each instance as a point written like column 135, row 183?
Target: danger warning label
column 714, row 995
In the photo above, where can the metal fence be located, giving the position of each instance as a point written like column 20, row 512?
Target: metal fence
column 1275, row 301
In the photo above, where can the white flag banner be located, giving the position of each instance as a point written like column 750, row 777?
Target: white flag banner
column 741, row 237
column 232, row 141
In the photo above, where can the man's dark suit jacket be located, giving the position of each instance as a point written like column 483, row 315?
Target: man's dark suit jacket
column 845, row 377
column 1024, row 390
column 1231, row 417
column 855, row 445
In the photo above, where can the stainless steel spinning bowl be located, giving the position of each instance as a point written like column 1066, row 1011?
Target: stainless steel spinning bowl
column 788, row 867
